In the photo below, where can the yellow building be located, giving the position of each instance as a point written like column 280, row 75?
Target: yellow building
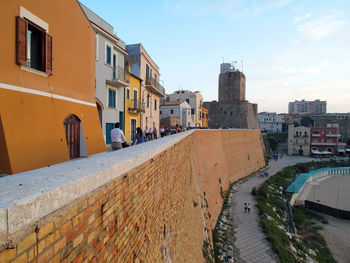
column 133, row 107
column 48, row 108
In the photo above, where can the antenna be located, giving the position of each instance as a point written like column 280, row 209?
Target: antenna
column 223, row 59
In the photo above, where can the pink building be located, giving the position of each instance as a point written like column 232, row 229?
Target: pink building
column 326, row 139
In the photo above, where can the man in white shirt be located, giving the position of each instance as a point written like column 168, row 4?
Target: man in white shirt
column 117, row 137
column 147, row 133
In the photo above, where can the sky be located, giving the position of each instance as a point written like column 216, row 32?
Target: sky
column 288, row 49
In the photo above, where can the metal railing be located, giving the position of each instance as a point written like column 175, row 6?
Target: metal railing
column 119, row 73
column 154, row 83
column 134, row 106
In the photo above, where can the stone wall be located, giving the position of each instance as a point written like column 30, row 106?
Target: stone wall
column 153, row 202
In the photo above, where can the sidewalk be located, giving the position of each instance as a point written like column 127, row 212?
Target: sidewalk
column 251, row 245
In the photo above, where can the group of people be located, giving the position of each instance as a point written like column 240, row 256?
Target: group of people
column 247, row 207
column 119, row 141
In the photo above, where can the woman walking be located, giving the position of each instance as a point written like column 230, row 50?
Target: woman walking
column 139, row 137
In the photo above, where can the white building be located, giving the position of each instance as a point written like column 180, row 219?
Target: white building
column 194, row 99
column 181, row 110
column 270, row 122
column 111, row 79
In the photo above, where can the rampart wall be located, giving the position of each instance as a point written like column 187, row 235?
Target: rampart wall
column 153, row 202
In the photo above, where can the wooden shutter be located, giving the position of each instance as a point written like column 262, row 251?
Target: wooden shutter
column 21, row 41
column 48, row 54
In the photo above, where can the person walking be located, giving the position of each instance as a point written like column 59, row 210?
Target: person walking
column 147, row 133
column 154, row 133
column 117, row 137
column 139, row 137
column 248, row 208
column 245, row 207
column 162, row 131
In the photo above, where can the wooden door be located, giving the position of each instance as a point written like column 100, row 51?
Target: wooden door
column 72, row 128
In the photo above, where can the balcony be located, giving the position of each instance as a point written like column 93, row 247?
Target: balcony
column 120, row 77
column 323, row 143
column 155, row 86
column 134, row 106
column 334, row 135
column 316, row 135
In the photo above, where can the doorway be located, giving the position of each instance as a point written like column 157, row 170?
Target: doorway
column 72, row 129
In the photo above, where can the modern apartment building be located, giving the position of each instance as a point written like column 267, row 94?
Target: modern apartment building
column 111, row 78
column 270, row 122
column 142, row 66
column 194, row 99
column 47, row 85
column 298, row 140
column 181, row 110
column 303, row 106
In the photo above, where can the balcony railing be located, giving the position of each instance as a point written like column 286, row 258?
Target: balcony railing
column 134, row 106
column 151, row 82
column 335, row 135
column 323, row 143
column 119, row 74
column 316, row 135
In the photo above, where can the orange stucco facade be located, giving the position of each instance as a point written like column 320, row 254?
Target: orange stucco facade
column 34, row 105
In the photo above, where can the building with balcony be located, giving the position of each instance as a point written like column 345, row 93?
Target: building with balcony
column 133, row 107
column 270, row 122
column 181, row 110
column 303, row 106
column 111, row 77
column 298, row 140
column 205, row 115
column 326, row 139
column 194, row 99
column 142, row 66
column 48, row 107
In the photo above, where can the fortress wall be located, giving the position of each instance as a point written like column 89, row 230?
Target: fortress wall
column 148, row 203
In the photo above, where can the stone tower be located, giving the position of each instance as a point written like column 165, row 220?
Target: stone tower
column 231, row 87
column 232, row 110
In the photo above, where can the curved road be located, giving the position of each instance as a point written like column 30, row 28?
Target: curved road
column 250, row 241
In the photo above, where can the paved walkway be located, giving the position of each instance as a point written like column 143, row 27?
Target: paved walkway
column 250, row 243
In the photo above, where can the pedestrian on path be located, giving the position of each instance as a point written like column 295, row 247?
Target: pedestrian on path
column 248, row 208
column 245, row 207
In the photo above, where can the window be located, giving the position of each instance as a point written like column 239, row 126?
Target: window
column 148, row 100
column 114, row 66
column 33, row 46
column 171, row 111
column 133, row 129
column 135, row 99
column 188, row 101
column 192, row 111
column 155, row 104
column 112, row 98
column 127, row 93
column 160, row 112
column 108, row 54
column 147, row 71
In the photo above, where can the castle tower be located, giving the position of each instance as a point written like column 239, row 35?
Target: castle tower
column 231, row 87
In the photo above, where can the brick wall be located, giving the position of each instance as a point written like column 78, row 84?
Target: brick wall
column 163, row 209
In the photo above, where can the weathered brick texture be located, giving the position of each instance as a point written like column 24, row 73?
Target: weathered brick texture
column 164, row 208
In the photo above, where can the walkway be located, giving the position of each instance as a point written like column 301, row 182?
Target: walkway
column 250, row 243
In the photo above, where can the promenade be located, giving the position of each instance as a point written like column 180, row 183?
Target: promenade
column 250, row 244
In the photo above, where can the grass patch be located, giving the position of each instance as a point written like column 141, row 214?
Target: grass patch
column 272, row 205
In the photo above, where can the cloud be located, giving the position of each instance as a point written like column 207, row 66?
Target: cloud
column 229, row 8
column 320, row 27
column 301, row 18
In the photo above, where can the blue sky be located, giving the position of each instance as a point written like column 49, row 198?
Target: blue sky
column 291, row 49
